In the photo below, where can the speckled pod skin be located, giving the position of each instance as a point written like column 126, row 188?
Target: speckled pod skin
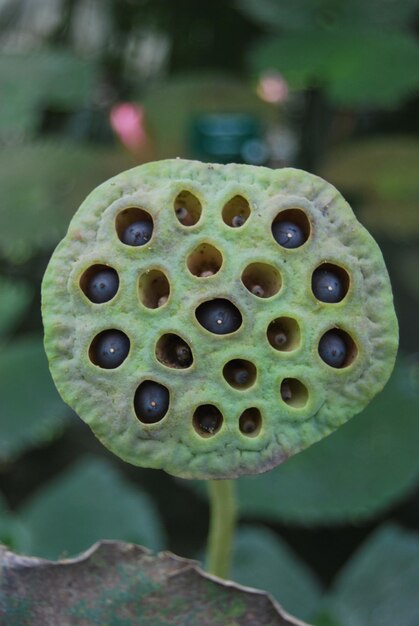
column 321, row 398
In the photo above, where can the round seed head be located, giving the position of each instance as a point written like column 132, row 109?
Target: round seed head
column 282, row 371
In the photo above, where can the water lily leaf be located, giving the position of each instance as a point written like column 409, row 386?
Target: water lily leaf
column 88, row 502
column 379, row 586
column 356, row 472
column 31, row 409
column 124, row 585
column 262, row 560
column 14, row 299
column 42, row 185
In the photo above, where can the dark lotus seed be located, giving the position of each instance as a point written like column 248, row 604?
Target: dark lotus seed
column 240, row 376
column 111, row 348
column 258, row 291
column 181, row 213
column 286, row 393
column 209, row 422
column 332, row 349
column 103, row 286
column 151, row 402
column 237, row 221
column 219, row 316
column 327, row 286
column 184, row 217
column 138, row 233
column 248, row 425
column 288, row 234
column 280, row 339
column 183, row 355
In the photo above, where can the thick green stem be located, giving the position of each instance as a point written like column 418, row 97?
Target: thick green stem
column 222, row 525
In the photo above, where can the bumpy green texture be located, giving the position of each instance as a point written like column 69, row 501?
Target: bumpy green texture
column 104, row 398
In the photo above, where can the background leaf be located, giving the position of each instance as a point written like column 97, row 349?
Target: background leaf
column 263, row 561
column 351, row 475
column 88, row 502
column 381, row 175
column 304, row 14
column 31, row 410
column 13, row 532
column 347, row 63
column 379, row 586
column 31, row 81
column 14, row 299
column 43, row 185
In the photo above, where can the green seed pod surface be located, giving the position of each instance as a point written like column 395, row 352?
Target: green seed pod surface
column 235, row 399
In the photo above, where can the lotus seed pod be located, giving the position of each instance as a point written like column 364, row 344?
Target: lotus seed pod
column 227, row 356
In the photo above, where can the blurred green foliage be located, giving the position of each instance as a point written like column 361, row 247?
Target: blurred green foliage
column 262, row 560
column 15, row 298
column 58, row 84
column 58, row 175
column 379, row 586
column 53, row 78
column 359, row 52
column 172, row 106
column 381, row 174
column 31, row 409
column 353, row 474
column 86, row 503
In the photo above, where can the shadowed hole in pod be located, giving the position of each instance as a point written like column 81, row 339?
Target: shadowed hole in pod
column 294, row 393
column 173, row 351
column 250, row 422
column 240, row 373
column 261, row 279
column 151, row 402
column 219, row 316
column 330, row 283
column 134, row 226
column 207, row 420
column 99, row 283
column 284, row 334
column 337, row 348
column 236, row 211
column 153, row 288
column 204, row 261
column 187, row 208
column 291, row 228
column 109, row 349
